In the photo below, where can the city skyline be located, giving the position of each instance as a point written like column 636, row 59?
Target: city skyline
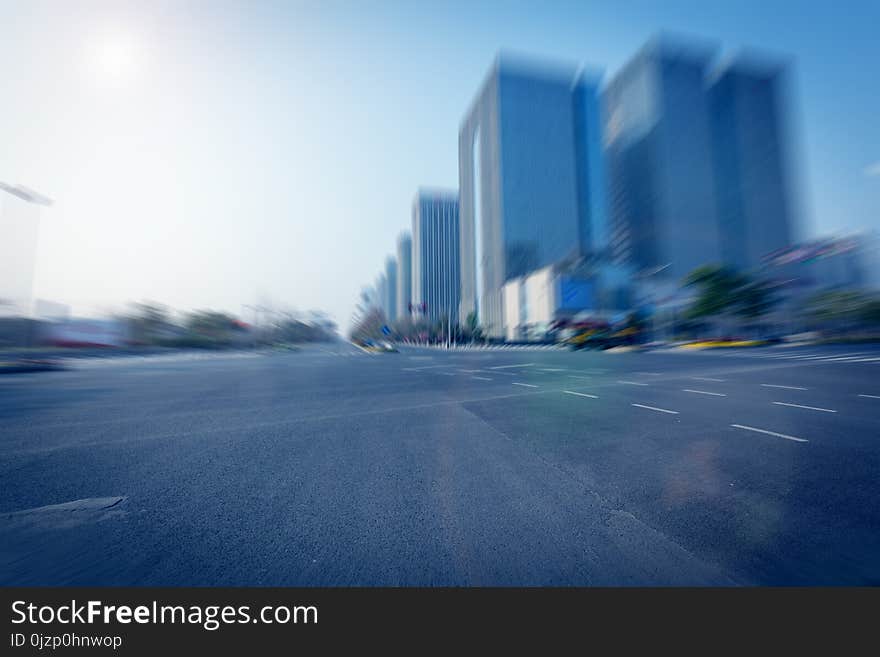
column 127, row 187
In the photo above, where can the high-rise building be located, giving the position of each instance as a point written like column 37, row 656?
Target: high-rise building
column 747, row 108
column 404, row 275
column 381, row 287
column 530, row 179
column 390, row 288
column 436, row 282
column 662, row 202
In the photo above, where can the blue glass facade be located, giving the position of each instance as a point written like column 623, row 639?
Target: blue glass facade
column 436, row 281
column 404, row 275
column 661, row 181
column 390, row 288
column 530, row 179
column 747, row 105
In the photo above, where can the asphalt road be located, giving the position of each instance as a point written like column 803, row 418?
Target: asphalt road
column 330, row 466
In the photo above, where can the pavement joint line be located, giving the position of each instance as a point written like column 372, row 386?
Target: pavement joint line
column 704, row 392
column 632, row 383
column 526, row 385
column 810, row 408
column 773, row 385
column 654, row 408
column 871, row 396
column 770, row 433
column 505, row 367
column 580, row 394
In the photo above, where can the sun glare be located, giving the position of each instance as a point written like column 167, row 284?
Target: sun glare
column 114, row 58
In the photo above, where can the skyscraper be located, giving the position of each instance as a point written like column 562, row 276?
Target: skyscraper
column 747, row 107
column 662, row 199
column 381, row 288
column 529, row 164
column 404, row 275
column 436, row 282
column 390, row 288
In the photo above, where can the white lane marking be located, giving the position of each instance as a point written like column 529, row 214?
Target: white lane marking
column 654, row 408
column 706, row 378
column 580, row 394
column 649, row 373
column 871, row 396
column 525, row 385
column 704, row 392
column 770, row 433
column 556, row 369
column 632, row 383
column 809, row 408
column 504, row 367
column 771, row 385
column 447, row 373
column 480, row 378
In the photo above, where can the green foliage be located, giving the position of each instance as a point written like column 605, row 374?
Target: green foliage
column 723, row 290
column 844, row 306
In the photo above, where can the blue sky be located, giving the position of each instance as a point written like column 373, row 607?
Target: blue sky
column 214, row 154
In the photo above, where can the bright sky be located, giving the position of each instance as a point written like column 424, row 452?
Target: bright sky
column 214, row 154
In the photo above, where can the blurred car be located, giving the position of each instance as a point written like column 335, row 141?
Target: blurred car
column 381, row 346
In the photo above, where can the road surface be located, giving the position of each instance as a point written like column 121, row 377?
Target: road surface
column 330, row 466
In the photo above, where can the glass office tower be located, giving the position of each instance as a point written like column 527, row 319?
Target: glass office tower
column 404, row 275
column 658, row 143
column 391, row 288
column 529, row 162
column 436, row 281
column 747, row 102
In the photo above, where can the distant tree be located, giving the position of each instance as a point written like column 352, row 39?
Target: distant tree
column 716, row 287
column 148, row 322
column 472, row 329
column 215, row 326
column 844, row 309
column 724, row 292
column 835, row 305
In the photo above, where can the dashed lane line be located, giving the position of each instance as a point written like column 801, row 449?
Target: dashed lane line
column 580, row 394
column 770, row 433
column 654, row 408
column 704, row 392
column 809, row 408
